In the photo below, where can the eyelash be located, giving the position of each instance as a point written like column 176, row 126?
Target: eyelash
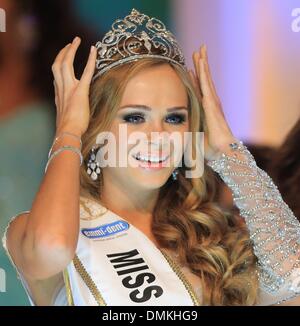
column 127, row 117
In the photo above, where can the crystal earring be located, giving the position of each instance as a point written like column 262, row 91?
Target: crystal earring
column 174, row 174
column 93, row 166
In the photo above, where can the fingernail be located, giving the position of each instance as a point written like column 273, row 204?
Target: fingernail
column 75, row 39
column 92, row 48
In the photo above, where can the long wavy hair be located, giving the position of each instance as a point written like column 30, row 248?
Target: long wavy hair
column 185, row 219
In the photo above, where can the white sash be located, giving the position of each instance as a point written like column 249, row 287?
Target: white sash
column 117, row 264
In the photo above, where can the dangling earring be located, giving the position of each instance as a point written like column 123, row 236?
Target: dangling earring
column 175, row 173
column 93, row 166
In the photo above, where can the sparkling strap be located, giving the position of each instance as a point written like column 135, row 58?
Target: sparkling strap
column 273, row 228
column 66, row 147
column 65, row 133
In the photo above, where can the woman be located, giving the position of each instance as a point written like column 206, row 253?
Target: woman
column 149, row 233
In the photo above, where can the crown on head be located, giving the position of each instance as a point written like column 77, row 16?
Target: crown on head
column 135, row 37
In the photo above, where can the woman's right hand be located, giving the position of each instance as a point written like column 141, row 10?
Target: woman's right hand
column 71, row 94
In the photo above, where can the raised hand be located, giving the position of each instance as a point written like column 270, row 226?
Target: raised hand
column 219, row 133
column 71, row 94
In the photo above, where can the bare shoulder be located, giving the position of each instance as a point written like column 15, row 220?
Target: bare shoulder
column 42, row 292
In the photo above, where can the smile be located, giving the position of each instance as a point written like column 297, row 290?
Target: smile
column 150, row 162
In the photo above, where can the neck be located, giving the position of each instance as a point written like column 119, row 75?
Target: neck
column 135, row 205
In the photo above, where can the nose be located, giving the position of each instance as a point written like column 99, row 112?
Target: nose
column 157, row 134
column 156, row 125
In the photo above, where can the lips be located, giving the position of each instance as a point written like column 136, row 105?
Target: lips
column 151, row 162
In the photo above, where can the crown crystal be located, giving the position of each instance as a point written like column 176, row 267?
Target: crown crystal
column 135, row 37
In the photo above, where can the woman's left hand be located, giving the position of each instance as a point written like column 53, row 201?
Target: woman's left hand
column 219, row 134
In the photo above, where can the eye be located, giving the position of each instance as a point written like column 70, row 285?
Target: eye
column 176, row 118
column 134, row 118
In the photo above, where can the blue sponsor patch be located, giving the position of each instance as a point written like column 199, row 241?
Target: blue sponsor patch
column 105, row 230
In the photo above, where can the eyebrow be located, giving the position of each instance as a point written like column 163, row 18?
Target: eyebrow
column 145, row 107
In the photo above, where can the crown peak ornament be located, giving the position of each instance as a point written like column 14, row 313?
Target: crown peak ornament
column 134, row 37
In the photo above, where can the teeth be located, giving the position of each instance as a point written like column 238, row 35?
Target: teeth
column 153, row 159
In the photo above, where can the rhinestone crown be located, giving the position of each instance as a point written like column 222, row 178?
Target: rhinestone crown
column 134, row 37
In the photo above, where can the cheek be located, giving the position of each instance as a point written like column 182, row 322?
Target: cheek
column 181, row 144
column 127, row 142
column 184, row 134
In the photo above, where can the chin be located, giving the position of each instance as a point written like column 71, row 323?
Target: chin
column 150, row 181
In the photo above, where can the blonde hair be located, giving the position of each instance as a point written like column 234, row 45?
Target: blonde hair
column 185, row 218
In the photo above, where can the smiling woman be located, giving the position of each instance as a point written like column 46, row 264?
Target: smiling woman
column 172, row 245
column 142, row 81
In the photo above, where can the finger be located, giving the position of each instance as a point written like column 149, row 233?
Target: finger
column 215, row 115
column 204, row 66
column 212, row 99
column 196, row 84
column 196, row 63
column 208, row 71
column 56, row 98
column 57, row 70
column 89, row 69
column 196, row 66
column 68, row 62
column 196, row 57
column 57, row 62
column 213, row 89
column 61, row 54
column 204, row 83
